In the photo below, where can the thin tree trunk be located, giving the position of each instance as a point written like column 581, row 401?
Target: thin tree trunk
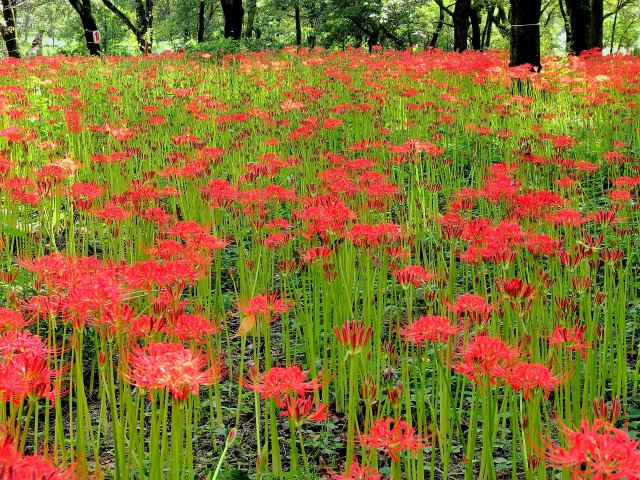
column 436, row 35
column 525, row 33
column 233, row 14
column 9, row 30
column 298, row 25
column 201, row 11
column 613, row 28
column 252, row 7
column 486, row 34
column 461, row 23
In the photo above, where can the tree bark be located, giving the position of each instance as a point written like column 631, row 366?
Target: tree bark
column 298, row 25
column 83, row 9
column 436, row 35
column 525, row 33
column 585, row 19
column 252, row 7
column 476, row 39
column 597, row 20
column 201, row 22
column 461, row 23
column 9, row 29
column 486, row 33
column 233, row 14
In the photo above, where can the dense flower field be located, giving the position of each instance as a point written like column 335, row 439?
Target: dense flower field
column 308, row 264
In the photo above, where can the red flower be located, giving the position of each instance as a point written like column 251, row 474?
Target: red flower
column 170, row 366
column 525, row 376
column 280, row 382
column 430, row 328
column 357, row 472
column 474, row 307
column 13, row 466
column 353, row 335
column 413, row 275
column 486, row 357
column 596, row 452
column 392, row 436
column 572, row 337
column 300, row 409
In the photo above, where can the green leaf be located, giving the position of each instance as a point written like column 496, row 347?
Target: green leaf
column 14, row 232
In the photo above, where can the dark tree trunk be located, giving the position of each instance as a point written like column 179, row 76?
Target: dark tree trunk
column 201, row 20
column 585, row 19
column 476, row 39
column 374, row 39
column 233, row 14
column 298, row 25
column 9, row 30
column 488, row 26
column 83, row 9
column 461, row 23
column 436, row 35
column 597, row 20
column 525, row 33
column 252, row 7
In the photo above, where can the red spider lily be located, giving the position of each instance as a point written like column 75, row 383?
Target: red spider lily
column 525, row 376
column 473, row 307
column 356, row 472
column 595, row 452
column 301, row 410
column 516, row 288
column 171, row 366
column 316, row 253
column 279, row 382
column 393, row 437
column 571, row 337
column 22, row 342
column 26, row 375
column 365, row 235
column 11, row 320
column 192, row 327
column 486, row 358
column 430, row 328
column 267, row 307
column 14, row 466
column 413, row 275
column 353, row 335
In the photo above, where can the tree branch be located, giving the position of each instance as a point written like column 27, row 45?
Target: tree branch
column 447, row 10
column 122, row 16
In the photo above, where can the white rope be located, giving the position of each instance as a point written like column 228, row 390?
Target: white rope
column 526, row 25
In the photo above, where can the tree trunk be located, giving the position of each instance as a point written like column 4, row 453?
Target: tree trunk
column 9, row 30
column 201, row 20
column 298, row 25
column 461, row 23
column 83, row 9
column 585, row 19
column 525, row 33
column 233, row 14
column 597, row 20
column 436, row 35
column 252, row 7
column 476, row 39
column 486, row 33
column 374, row 39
